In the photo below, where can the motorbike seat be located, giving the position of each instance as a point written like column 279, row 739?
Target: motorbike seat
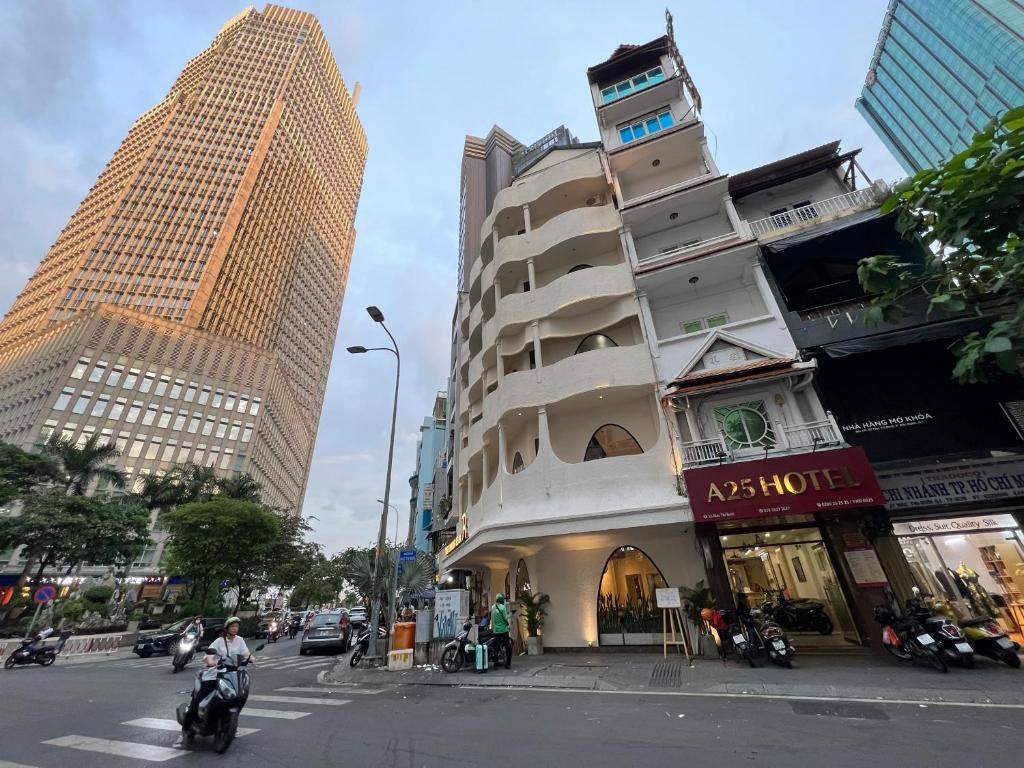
column 975, row 621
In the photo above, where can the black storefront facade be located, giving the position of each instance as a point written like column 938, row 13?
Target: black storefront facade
column 949, row 457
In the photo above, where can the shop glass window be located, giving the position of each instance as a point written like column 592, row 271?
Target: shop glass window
column 64, row 398
column 161, row 387
column 118, row 408
column 100, row 405
column 204, row 396
column 115, row 375
column 80, row 367
column 147, row 382
column 746, row 425
column 82, row 403
column 150, row 416
column 131, row 378
column 611, row 440
column 190, row 392
column 98, row 371
column 595, row 341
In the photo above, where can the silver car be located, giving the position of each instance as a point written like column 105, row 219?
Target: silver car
column 331, row 630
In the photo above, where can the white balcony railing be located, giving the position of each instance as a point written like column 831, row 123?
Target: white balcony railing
column 691, row 247
column 670, row 189
column 810, row 214
column 790, row 438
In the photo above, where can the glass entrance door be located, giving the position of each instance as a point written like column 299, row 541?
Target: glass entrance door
column 794, row 562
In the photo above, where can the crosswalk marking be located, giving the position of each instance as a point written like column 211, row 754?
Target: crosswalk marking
column 313, row 665
column 6, row 764
column 277, row 662
column 159, row 724
column 299, row 700
column 327, row 689
column 118, row 748
column 278, row 714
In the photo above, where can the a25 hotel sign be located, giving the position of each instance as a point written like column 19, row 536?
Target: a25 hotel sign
column 822, row 481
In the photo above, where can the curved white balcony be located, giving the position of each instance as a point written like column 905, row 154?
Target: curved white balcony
column 570, row 294
column 532, row 186
column 575, row 223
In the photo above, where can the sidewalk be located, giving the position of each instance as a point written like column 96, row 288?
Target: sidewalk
column 817, row 676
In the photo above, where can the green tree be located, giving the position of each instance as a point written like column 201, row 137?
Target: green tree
column 22, row 471
column 62, row 530
column 243, row 487
column 972, row 209
column 222, row 539
column 82, row 464
column 320, row 584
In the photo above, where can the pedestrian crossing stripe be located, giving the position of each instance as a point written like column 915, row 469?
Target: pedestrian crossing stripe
column 346, row 687
column 299, row 700
column 277, row 714
column 7, row 764
column 148, row 752
column 296, row 663
column 159, row 724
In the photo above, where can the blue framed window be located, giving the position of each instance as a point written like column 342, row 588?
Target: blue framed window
column 632, row 85
column 645, row 125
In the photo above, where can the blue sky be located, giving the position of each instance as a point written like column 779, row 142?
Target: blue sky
column 776, row 78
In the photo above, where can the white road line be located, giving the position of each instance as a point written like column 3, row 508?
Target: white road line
column 771, row 696
column 279, row 714
column 328, row 689
column 299, row 700
column 172, row 725
column 6, row 764
column 119, row 748
column 312, row 665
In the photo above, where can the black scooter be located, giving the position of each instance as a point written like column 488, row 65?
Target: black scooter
column 457, row 651
column 363, row 643
column 219, row 710
column 184, row 651
column 798, row 614
column 32, row 652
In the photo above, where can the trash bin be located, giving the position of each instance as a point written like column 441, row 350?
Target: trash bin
column 404, row 637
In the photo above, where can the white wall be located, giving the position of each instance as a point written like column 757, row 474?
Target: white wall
column 702, row 229
column 819, row 186
column 738, row 301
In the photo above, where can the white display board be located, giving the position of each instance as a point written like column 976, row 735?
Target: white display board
column 865, row 568
column 667, row 597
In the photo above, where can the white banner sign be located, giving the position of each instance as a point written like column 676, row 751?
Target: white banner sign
column 667, row 597
column 955, row 525
column 451, row 606
column 967, row 484
column 428, row 497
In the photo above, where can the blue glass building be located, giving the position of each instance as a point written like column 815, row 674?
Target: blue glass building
column 940, row 71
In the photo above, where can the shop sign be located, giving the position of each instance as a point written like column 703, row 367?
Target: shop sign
column 962, row 484
column 955, row 525
column 820, row 481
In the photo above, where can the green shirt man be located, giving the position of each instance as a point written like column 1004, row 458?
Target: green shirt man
column 499, row 626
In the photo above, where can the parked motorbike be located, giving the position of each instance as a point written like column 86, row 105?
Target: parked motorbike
column 952, row 642
column 798, row 614
column 988, row 638
column 218, row 711
column 363, row 643
column 756, row 637
column 906, row 639
column 185, row 650
column 32, row 651
column 460, row 651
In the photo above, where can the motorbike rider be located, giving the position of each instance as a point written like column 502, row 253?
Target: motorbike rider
column 230, row 643
column 196, row 626
column 499, row 627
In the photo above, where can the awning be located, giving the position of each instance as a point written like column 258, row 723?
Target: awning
column 931, row 332
column 823, row 229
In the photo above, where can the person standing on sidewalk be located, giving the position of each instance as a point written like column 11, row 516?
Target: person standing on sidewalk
column 499, row 627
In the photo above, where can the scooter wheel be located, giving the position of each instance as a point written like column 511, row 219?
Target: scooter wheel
column 48, row 659
column 356, row 657
column 935, row 660
column 823, row 625
column 9, row 664
column 1011, row 659
column 451, row 661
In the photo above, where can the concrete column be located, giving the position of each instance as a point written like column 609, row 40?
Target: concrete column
column 486, row 470
column 692, row 423
column 469, row 489
column 531, row 274
column 734, row 218
column 536, row 349
column 628, row 246
column 708, row 159
column 500, row 363
column 501, row 463
column 761, row 280
column 544, row 454
column 648, row 322
column 497, row 292
column 526, row 216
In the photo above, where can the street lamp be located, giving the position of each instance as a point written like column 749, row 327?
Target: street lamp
column 378, row 317
column 398, row 517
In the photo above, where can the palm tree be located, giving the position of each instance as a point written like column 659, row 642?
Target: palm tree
column 243, row 487
column 82, row 464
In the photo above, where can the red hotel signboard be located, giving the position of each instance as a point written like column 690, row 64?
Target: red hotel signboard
column 822, row 481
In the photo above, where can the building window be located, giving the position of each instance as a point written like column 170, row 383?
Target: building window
column 646, row 125
column 161, row 386
column 115, row 375
column 82, row 403
column 165, row 418
column 229, row 404
column 190, row 393
column 247, row 433
column 632, row 85
column 179, row 421
column 150, row 416
column 218, row 396
column 193, row 424
column 254, row 409
column 63, row 398
column 204, row 396
column 517, row 463
column 98, row 371
column 711, row 321
column 79, row 370
column 745, row 425
column 176, row 389
column 805, row 211
column 136, row 449
column 236, row 427
column 131, row 378
column 208, row 426
column 48, row 427
column 147, row 382
column 145, row 558
column 101, row 405
column 595, row 341
column 611, row 440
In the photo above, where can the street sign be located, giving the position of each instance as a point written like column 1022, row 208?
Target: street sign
column 407, row 555
column 44, row 594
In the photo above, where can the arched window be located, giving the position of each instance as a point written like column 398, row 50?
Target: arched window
column 517, row 463
column 626, row 603
column 522, row 579
column 595, row 341
column 578, row 267
column 611, row 440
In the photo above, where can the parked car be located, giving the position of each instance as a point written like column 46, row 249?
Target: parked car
column 164, row 641
column 331, row 630
column 358, row 617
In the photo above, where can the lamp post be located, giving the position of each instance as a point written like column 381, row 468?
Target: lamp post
column 398, row 517
column 378, row 317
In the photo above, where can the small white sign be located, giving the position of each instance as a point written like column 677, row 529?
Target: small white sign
column 865, row 568
column 955, row 525
column 667, row 597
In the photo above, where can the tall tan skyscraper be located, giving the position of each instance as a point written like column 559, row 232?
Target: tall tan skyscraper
column 189, row 308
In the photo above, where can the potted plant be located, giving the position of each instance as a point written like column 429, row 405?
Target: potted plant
column 695, row 600
column 534, row 608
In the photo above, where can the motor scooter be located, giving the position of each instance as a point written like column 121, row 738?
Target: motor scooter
column 219, row 710
column 798, row 614
column 272, row 632
column 33, row 651
column 952, row 642
column 461, row 651
column 904, row 636
column 988, row 638
column 184, row 652
column 363, row 643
